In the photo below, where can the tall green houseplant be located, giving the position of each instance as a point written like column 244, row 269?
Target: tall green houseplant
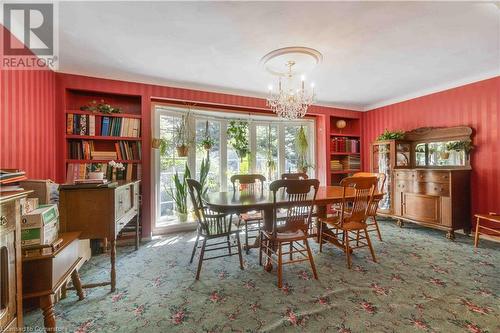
column 179, row 193
column 302, row 146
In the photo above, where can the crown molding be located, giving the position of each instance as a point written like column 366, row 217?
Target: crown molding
column 433, row 90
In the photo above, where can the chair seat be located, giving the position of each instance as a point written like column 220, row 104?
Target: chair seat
column 251, row 216
column 334, row 221
column 287, row 236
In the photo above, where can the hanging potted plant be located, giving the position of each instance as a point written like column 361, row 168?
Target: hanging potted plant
column 179, row 194
column 302, row 145
column 207, row 141
column 237, row 135
column 182, row 137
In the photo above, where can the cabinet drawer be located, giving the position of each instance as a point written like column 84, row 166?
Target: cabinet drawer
column 432, row 188
column 403, row 186
column 422, row 207
column 8, row 214
column 404, row 175
column 433, row 176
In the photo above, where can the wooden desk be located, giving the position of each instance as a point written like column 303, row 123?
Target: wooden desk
column 237, row 203
column 45, row 275
column 487, row 217
column 11, row 305
column 100, row 212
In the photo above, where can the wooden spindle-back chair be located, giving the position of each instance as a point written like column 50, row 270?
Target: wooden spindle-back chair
column 371, row 220
column 296, row 175
column 252, row 221
column 299, row 196
column 211, row 225
column 351, row 217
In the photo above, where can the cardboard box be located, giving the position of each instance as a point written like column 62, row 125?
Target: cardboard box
column 41, row 187
column 44, row 235
column 43, row 215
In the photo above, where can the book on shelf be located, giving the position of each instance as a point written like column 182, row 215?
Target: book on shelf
column 345, row 145
column 123, row 150
column 91, row 181
column 102, row 125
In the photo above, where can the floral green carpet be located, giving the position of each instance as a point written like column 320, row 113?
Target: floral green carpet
column 422, row 283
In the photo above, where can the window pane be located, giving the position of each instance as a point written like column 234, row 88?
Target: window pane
column 213, row 130
column 235, row 165
column 291, row 157
column 267, row 151
column 169, row 162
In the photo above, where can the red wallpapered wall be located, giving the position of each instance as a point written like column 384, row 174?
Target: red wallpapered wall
column 476, row 105
column 27, row 122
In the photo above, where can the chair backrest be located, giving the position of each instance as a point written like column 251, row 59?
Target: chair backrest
column 363, row 188
column 252, row 181
column 381, row 177
column 297, row 175
column 298, row 210
column 209, row 222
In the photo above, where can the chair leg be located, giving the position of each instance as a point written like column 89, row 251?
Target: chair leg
column 247, row 249
column 239, row 250
column 357, row 238
column 291, row 250
column 347, row 250
column 229, row 244
column 202, row 253
column 370, row 245
column 260, row 248
column 194, row 248
column 376, row 226
column 320, row 236
column 280, row 267
column 311, row 260
column 476, row 234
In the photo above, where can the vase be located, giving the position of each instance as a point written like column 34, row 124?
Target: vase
column 444, row 155
column 207, row 146
column 96, row 175
column 182, row 217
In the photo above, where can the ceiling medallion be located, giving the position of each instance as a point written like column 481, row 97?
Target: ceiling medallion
column 291, row 99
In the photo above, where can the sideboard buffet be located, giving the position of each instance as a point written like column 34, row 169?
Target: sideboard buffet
column 428, row 178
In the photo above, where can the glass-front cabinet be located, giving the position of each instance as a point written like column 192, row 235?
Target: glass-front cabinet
column 440, row 154
column 385, row 157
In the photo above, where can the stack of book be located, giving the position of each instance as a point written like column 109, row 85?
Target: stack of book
column 128, row 150
column 81, row 124
column 104, row 155
column 351, row 163
column 335, row 165
column 10, row 178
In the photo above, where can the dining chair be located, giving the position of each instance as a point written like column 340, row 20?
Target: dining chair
column 249, row 184
column 294, row 232
column 371, row 220
column 296, row 175
column 211, row 225
column 351, row 218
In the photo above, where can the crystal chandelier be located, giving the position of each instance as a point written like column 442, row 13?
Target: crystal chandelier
column 291, row 100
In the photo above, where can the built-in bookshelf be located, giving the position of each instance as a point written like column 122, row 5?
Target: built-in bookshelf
column 344, row 149
column 92, row 138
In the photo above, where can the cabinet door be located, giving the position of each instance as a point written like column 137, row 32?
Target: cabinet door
column 421, row 207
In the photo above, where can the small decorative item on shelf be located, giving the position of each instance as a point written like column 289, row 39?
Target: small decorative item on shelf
column 155, row 143
column 237, row 135
column 116, row 166
column 207, row 141
column 391, row 135
column 96, row 171
column 102, row 107
column 341, row 124
column 179, row 194
column 182, row 137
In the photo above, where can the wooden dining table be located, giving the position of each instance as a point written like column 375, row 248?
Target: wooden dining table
column 238, row 202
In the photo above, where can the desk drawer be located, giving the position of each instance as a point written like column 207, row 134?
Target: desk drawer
column 432, row 188
column 124, row 200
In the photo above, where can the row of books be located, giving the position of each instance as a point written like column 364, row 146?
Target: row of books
column 346, row 163
column 81, row 124
column 345, row 145
column 84, row 149
column 77, row 171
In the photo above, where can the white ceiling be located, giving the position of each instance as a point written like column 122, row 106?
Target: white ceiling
column 374, row 53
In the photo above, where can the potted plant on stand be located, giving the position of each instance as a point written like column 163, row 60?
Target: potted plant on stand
column 179, row 193
column 302, row 145
column 182, row 136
